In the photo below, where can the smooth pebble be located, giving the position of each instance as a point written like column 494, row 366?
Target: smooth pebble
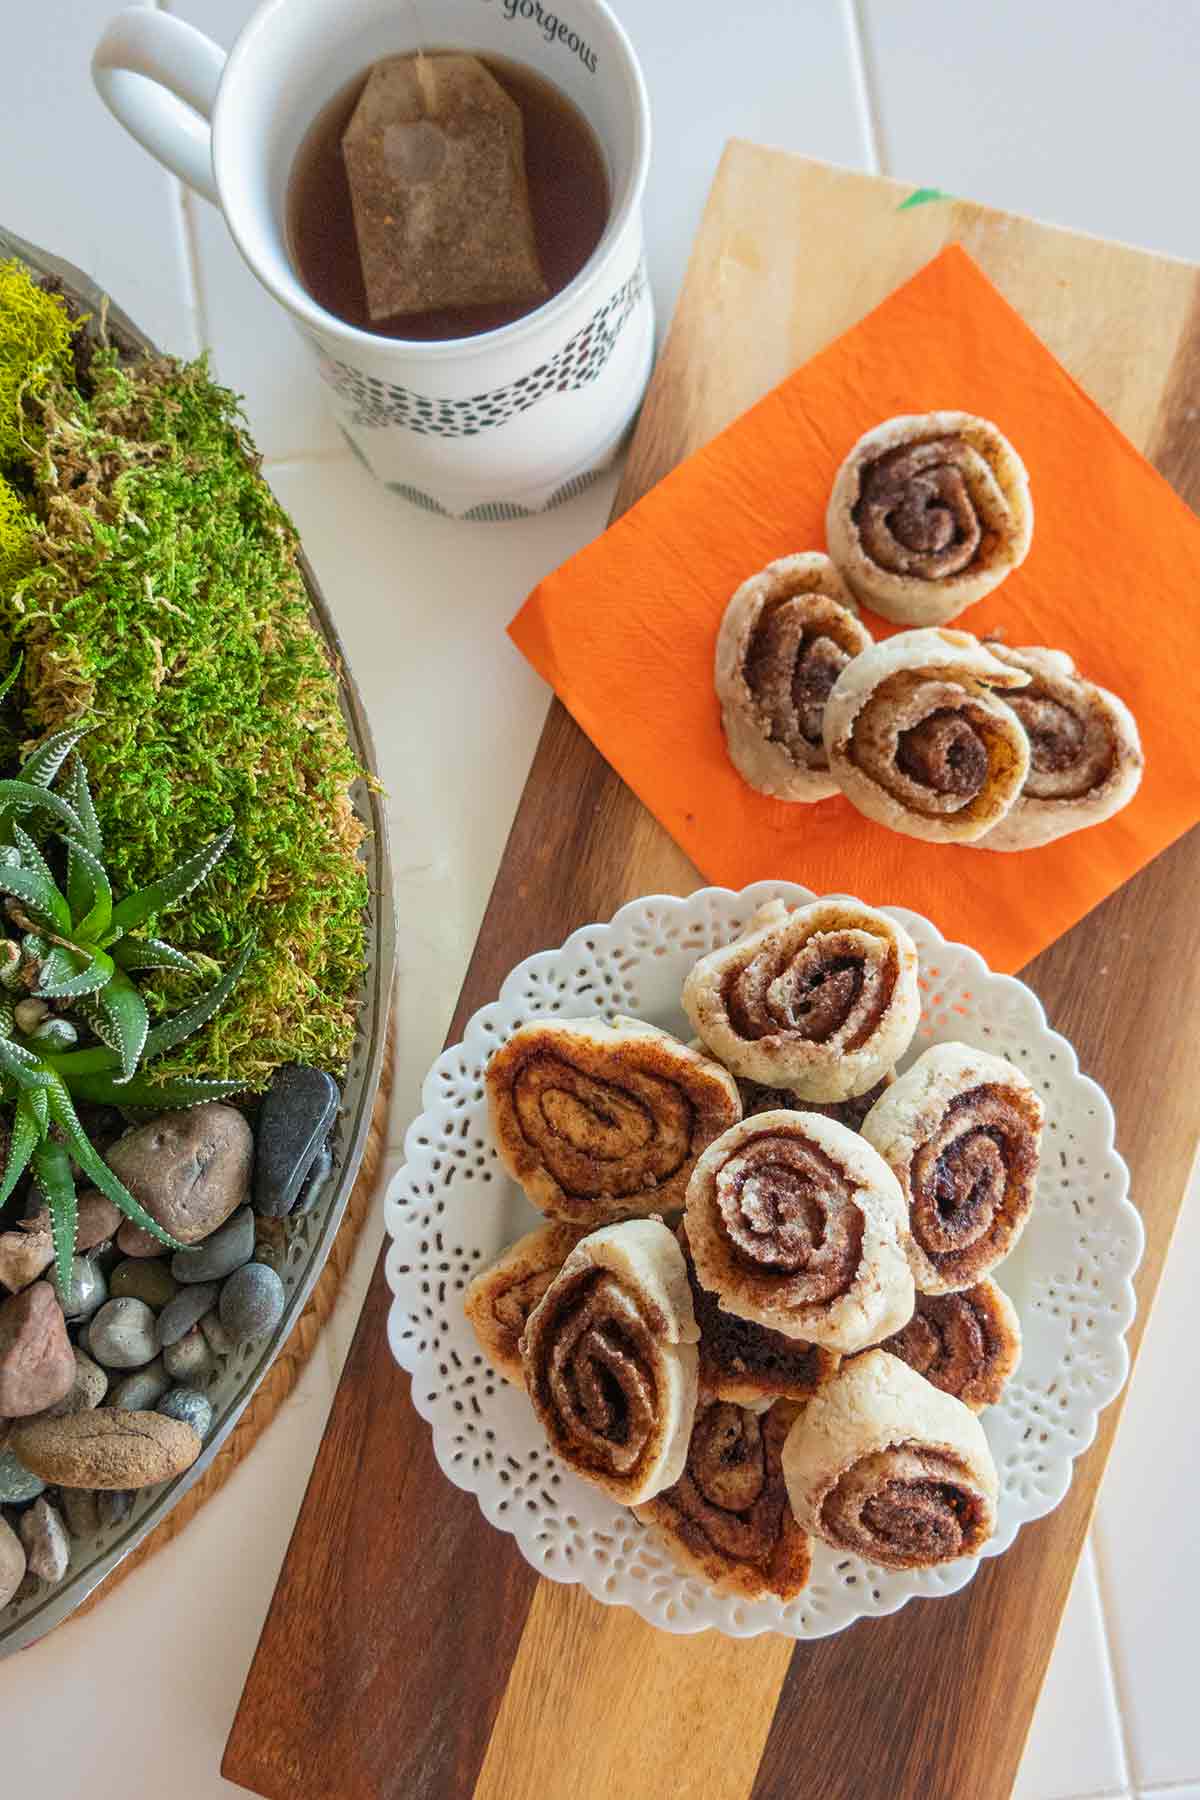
column 293, row 1120
column 82, row 1511
column 122, row 1335
column 88, row 1290
column 47, row 1546
column 189, row 1359
column 185, row 1310
column 144, row 1278
column 142, row 1391
column 252, row 1302
column 114, row 1505
column 227, row 1249
column 189, row 1407
column 215, row 1334
column 17, row 1483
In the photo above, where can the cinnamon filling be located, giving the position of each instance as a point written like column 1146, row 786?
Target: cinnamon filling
column 944, row 752
column 908, row 1504
column 1071, row 752
column 731, row 1496
column 790, row 670
column 787, row 1210
column 834, row 989
column 599, row 1136
column 513, row 1307
column 732, row 1348
column 597, row 1373
column 950, row 1340
column 850, row 1113
column 916, row 515
column 971, row 1179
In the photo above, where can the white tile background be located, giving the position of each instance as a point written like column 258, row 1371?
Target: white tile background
column 1080, row 112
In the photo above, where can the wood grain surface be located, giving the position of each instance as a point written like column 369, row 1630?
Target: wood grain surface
column 409, row 1651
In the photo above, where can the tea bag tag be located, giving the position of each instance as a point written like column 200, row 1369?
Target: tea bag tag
column 435, row 155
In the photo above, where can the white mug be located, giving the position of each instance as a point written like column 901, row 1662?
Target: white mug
column 506, row 423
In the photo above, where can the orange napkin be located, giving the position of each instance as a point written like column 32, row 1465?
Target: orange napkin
column 625, row 631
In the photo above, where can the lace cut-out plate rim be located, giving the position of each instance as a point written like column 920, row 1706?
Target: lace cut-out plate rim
column 451, row 1208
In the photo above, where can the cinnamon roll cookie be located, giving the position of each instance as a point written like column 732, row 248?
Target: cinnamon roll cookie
column 962, row 1132
column 609, row 1355
column 917, row 739
column 728, row 1517
column 747, row 1363
column 1085, row 755
column 786, row 635
column 821, row 999
column 796, row 1223
column 967, row 1344
column 882, row 1465
column 599, row 1122
column 929, row 512
column 498, row 1302
column 851, row 1113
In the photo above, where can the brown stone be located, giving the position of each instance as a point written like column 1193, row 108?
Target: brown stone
column 133, row 1241
column 37, row 1364
column 12, row 1562
column 24, row 1255
column 189, row 1169
column 87, row 1390
column 107, row 1449
column 97, row 1220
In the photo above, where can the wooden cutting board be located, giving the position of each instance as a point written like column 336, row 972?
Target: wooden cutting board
column 409, row 1651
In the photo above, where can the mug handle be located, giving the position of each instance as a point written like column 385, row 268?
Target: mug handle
column 159, row 78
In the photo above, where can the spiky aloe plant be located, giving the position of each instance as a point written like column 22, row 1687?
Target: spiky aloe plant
column 79, row 950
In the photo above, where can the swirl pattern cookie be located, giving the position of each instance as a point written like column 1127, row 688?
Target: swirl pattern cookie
column 728, row 1517
column 785, row 637
column 967, row 1344
column 851, row 1113
column 745, row 1362
column 599, row 1122
column 499, row 1301
column 929, row 512
column 1085, row 755
column 796, row 1223
column 821, row 999
column 609, row 1355
column 917, row 740
column 882, row 1465
column 962, row 1132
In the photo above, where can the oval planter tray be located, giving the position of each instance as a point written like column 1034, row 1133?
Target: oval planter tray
column 311, row 1235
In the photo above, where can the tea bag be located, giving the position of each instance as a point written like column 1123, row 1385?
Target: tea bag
column 435, row 154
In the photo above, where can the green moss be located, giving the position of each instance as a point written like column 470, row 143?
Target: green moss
column 16, row 535
column 167, row 606
column 35, row 352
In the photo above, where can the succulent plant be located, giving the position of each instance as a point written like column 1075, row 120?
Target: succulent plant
column 79, row 950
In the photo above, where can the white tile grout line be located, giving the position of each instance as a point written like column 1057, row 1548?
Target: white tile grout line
column 1112, row 1664
column 866, row 87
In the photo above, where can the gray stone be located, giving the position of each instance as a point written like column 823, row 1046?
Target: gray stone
column 252, row 1302
column 142, row 1391
column 122, row 1335
column 215, row 1334
column 81, row 1506
column 189, row 1169
column 88, row 1290
column 114, row 1506
column 190, row 1359
column 189, row 1407
column 185, row 1310
column 316, row 1181
column 37, row 1365
column 87, row 1390
column 17, row 1483
column 145, row 1278
column 227, row 1249
column 47, row 1546
column 293, row 1122
column 12, row 1562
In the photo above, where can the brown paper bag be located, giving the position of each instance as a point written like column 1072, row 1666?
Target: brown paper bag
column 435, row 154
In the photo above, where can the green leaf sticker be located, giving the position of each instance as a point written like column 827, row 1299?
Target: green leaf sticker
column 922, row 197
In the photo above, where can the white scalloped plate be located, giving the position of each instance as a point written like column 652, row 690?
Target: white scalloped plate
column 452, row 1209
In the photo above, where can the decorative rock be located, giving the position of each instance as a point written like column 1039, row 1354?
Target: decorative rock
column 133, row 1241
column 185, row 1310
column 108, row 1448
column 23, row 1257
column 252, row 1302
column 316, row 1181
column 293, row 1121
column 28, row 1014
column 218, row 1256
column 114, row 1506
column 87, row 1390
column 142, row 1391
column 189, row 1169
column 189, row 1407
column 88, row 1290
column 82, row 1508
column 215, row 1334
column 37, row 1365
column 54, row 1035
column 190, row 1359
column 12, row 1562
column 47, row 1546
column 144, row 1278
column 98, row 1219
column 122, row 1335
column 17, row 1483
